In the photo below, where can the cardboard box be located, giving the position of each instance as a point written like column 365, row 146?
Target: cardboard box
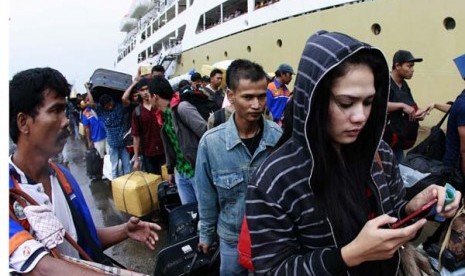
column 136, row 193
column 82, row 130
column 164, row 173
column 145, row 70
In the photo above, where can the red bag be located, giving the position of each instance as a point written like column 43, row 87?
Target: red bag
column 244, row 247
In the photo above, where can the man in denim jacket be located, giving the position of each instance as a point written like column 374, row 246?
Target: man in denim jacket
column 226, row 158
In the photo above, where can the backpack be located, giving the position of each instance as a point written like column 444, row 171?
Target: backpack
column 438, row 174
column 183, row 221
column 201, row 102
column 219, row 117
column 400, row 132
column 434, row 146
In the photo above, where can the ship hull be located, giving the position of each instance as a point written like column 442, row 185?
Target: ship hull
column 416, row 25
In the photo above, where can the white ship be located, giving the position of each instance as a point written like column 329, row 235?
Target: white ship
column 198, row 34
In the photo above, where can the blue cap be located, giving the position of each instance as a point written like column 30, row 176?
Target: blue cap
column 286, row 68
column 460, row 62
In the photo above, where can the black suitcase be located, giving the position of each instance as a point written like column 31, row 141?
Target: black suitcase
column 168, row 199
column 183, row 222
column 183, row 258
column 94, row 164
column 113, row 83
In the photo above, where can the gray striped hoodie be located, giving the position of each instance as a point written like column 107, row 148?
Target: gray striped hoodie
column 290, row 236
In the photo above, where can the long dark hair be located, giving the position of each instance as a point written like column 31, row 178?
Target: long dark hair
column 340, row 182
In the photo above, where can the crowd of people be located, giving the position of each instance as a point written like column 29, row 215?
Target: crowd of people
column 314, row 171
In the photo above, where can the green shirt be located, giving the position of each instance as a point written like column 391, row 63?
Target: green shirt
column 182, row 165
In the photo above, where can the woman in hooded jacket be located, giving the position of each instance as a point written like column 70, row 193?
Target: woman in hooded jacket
column 324, row 201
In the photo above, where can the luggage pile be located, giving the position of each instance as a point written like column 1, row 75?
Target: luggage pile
column 426, row 157
column 136, row 193
column 113, row 83
column 139, row 194
column 181, row 256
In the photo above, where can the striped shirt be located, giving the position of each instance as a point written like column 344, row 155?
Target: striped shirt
column 290, row 233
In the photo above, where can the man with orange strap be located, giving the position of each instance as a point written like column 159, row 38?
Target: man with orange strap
column 277, row 93
column 38, row 127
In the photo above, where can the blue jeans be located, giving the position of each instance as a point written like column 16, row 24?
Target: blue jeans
column 230, row 259
column 186, row 188
column 117, row 154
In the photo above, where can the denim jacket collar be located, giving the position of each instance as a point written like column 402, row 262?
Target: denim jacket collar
column 232, row 136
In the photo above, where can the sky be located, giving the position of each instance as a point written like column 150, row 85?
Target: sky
column 74, row 37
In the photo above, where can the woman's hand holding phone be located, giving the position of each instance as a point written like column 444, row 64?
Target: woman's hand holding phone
column 431, row 192
column 424, row 211
column 376, row 242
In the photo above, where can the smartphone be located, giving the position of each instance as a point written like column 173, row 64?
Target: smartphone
column 424, row 211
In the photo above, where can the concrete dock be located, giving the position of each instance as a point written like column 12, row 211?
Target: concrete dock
column 134, row 255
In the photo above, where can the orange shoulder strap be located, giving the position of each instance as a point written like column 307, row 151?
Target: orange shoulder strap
column 62, row 178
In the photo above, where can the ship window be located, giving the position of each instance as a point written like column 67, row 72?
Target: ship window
column 208, row 58
column 193, row 61
column 150, row 52
column 249, row 49
column 170, row 14
column 181, row 32
column 221, row 13
column 201, row 24
column 181, row 6
column 376, row 29
column 225, row 54
column 449, row 23
column 233, row 9
column 213, row 17
column 162, row 19
column 263, row 3
column 142, row 37
column 279, row 42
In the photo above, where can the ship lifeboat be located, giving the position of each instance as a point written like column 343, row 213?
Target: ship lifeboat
column 127, row 24
column 139, row 8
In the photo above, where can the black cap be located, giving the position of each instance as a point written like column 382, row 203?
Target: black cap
column 158, row 68
column 196, row 77
column 206, row 79
column 402, row 56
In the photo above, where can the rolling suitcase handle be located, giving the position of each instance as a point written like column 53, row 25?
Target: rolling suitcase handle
column 188, row 269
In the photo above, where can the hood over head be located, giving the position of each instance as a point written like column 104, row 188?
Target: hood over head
column 322, row 53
